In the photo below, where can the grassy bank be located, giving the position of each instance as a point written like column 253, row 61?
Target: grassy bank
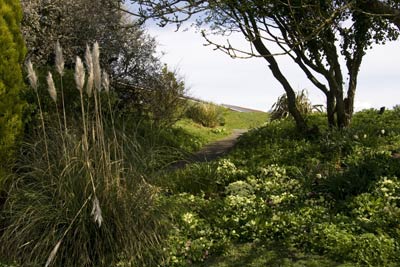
column 232, row 120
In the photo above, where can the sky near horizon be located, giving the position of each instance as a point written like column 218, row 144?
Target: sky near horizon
column 214, row 76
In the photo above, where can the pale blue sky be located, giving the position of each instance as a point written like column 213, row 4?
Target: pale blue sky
column 214, row 76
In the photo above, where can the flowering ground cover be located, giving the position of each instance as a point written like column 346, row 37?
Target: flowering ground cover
column 285, row 199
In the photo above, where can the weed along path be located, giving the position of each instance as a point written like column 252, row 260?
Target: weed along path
column 213, row 150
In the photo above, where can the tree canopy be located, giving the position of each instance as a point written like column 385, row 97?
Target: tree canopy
column 128, row 53
column 317, row 35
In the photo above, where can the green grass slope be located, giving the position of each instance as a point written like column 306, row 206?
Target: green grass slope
column 201, row 135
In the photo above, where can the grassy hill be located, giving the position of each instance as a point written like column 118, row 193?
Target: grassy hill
column 231, row 120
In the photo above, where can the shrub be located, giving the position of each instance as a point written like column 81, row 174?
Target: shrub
column 374, row 250
column 160, row 101
column 242, row 211
column 206, row 114
column 360, row 172
column 12, row 53
column 165, row 102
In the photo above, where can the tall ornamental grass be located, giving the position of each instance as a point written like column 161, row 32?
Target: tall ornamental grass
column 77, row 198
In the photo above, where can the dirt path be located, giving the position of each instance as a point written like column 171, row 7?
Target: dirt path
column 213, row 150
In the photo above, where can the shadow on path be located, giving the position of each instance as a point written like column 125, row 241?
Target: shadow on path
column 211, row 151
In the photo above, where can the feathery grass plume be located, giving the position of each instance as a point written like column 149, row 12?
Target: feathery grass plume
column 106, row 81
column 32, row 77
column 96, row 66
column 88, row 58
column 89, row 66
column 59, row 59
column 96, row 212
column 79, row 74
column 51, row 87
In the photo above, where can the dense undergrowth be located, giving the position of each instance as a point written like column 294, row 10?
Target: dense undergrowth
column 326, row 199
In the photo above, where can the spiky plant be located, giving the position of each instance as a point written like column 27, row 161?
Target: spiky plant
column 59, row 60
column 280, row 109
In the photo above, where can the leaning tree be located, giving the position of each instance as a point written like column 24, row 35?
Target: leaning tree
column 326, row 39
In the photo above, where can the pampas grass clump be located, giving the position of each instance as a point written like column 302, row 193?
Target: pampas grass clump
column 78, row 198
column 45, row 209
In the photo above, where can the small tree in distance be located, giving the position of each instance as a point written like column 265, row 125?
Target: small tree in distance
column 316, row 35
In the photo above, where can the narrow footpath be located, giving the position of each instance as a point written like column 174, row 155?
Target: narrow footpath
column 213, row 150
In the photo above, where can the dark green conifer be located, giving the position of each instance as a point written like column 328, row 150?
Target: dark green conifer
column 12, row 53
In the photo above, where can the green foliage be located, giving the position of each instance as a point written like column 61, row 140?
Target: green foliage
column 12, row 53
column 335, row 195
column 206, row 114
column 195, row 179
column 259, row 255
column 199, row 135
column 165, row 102
column 196, row 236
column 160, row 101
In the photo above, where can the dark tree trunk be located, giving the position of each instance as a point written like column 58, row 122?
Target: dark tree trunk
column 330, row 109
column 291, row 96
column 349, row 101
column 340, row 110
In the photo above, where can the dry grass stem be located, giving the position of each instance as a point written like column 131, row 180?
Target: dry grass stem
column 60, row 69
column 33, row 80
